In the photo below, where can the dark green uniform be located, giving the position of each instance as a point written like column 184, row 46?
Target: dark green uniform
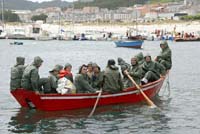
column 124, row 66
column 31, row 79
column 16, row 73
column 53, row 83
column 136, row 73
column 152, row 70
column 82, row 84
column 165, row 56
column 97, row 80
column 140, row 58
column 112, row 80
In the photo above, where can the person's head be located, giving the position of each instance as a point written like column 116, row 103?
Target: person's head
column 20, row 61
column 89, row 67
column 111, row 62
column 96, row 68
column 59, row 67
column 68, row 67
column 55, row 71
column 83, row 69
column 140, row 56
column 147, row 57
column 37, row 61
column 163, row 44
column 120, row 61
column 133, row 61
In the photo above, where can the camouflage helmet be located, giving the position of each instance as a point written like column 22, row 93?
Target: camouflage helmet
column 60, row 67
column 68, row 65
column 20, row 61
column 37, row 61
column 56, row 68
column 164, row 43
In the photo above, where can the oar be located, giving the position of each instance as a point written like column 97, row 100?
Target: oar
column 144, row 95
column 95, row 105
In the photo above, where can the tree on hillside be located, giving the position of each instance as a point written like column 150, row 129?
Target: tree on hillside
column 39, row 17
column 9, row 16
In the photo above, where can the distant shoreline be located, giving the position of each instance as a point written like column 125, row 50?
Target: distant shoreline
column 178, row 26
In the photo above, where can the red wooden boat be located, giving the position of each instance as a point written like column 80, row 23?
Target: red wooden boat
column 58, row 102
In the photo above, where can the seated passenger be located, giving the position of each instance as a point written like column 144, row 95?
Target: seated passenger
column 135, row 71
column 31, row 79
column 89, row 72
column 16, row 73
column 97, row 77
column 165, row 55
column 53, row 79
column 81, row 81
column 66, row 72
column 153, row 70
column 124, row 66
column 112, row 81
column 140, row 58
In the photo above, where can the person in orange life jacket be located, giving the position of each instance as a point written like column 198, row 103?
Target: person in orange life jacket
column 66, row 72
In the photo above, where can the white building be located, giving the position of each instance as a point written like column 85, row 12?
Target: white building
column 24, row 15
column 191, row 2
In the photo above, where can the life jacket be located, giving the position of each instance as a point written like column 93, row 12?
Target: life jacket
column 64, row 73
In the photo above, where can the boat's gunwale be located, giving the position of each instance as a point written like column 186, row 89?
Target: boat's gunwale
column 126, row 91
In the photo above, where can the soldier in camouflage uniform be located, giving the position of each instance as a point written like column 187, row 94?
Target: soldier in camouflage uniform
column 135, row 71
column 153, row 70
column 165, row 56
column 140, row 58
column 124, row 66
column 53, row 79
column 97, row 77
column 112, row 82
column 31, row 79
column 81, row 81
column 16, row 73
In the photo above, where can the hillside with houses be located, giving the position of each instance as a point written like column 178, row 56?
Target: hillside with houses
column 141, row 12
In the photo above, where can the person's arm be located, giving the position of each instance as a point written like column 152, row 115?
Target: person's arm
column 137, row 73
column 34, row 80
column 120, row 82
column 85, row 84
column 53, row 82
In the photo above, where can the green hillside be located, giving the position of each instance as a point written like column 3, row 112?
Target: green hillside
column 113, row 4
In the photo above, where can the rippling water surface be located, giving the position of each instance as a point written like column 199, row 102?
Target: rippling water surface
column 179, row 106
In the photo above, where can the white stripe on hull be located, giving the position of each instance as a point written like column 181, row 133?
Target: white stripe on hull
column 91, row 97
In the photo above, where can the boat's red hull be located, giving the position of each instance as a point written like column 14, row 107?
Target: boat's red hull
column 55, row 102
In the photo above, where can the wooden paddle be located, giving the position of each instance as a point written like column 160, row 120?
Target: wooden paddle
column 95, row 105
column 138, row 87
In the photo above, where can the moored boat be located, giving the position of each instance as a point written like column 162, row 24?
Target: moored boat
column 16, row 43
column 130, row 43
column 58, row 102
column 186, row 40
